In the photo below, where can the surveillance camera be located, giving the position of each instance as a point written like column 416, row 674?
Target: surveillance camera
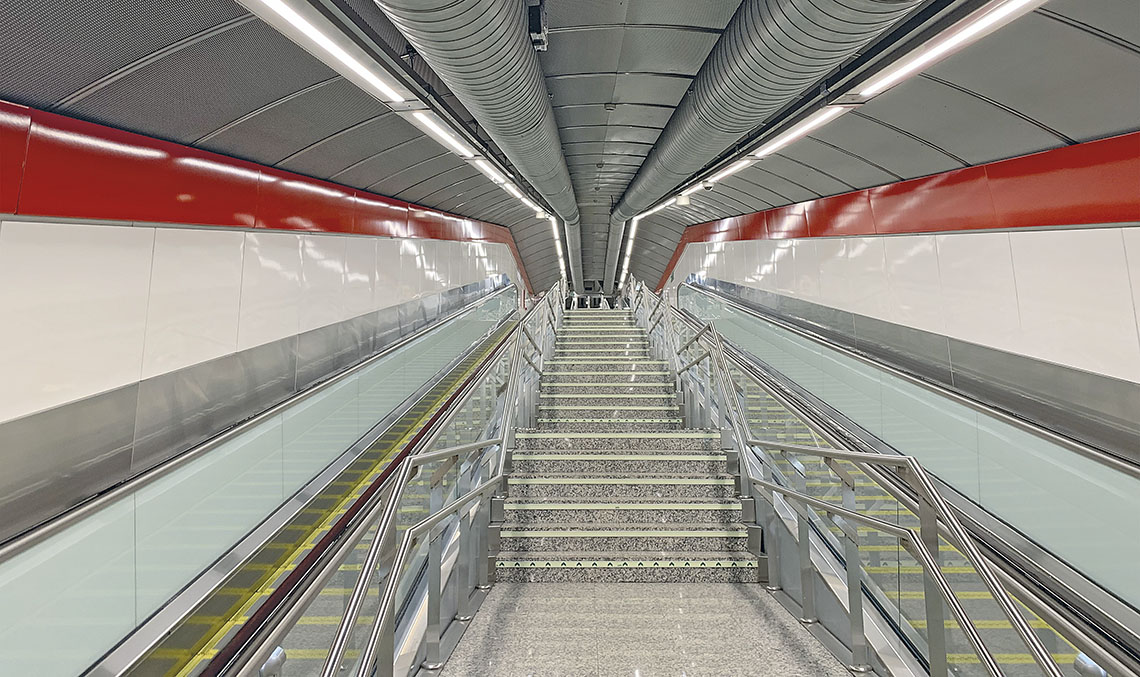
column 707, row 185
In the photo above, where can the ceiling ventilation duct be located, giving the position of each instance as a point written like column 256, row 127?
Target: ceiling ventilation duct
column 771, row 53
column 482, row 50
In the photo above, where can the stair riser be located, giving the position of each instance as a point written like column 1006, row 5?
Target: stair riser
column 587, row 355
column 599, row 366
column 607, row 402
column 622, row 491
column 623, row 543
column 606, row 427
column 604, row 515
column 547, row 389
column 595, row 376
column 607, row 466
column 693, row 575
column 618, row 443
column 580, row 411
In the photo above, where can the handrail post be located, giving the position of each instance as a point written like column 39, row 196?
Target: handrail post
column 935, row 609
column 860, row 656
column 433, row 659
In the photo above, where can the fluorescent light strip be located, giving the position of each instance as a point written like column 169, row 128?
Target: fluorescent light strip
column 490, row 171
column 530, row 203
column 732, row 169
column 324, row 42
column 443, row 136
column 692, row 189
column 797, row 132
column 514, row 191
column 948, row 42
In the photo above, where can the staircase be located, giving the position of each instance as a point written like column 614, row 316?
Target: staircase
column 610, row 487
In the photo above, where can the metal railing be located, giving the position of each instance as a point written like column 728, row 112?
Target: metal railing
column 477, row 426
column 711, row 397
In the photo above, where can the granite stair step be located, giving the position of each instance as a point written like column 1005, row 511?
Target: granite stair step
column 628, row 536
column 607, row 425
column 559, row 366
column 601, row 400
column 610, row 387
column 688, row 439
column 599, row 461
column 627, row 567
column 642, row 510
column 611, row 408
column 704, row 485
column 622, row 377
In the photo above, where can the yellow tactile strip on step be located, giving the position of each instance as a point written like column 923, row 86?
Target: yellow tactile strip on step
column 198, row 637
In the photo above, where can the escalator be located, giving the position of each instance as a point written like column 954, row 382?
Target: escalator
column 163, row 533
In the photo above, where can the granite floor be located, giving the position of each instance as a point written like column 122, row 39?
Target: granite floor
column 637, row 630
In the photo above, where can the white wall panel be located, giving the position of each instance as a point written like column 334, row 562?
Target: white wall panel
column 1132, row 251
column 388, row 287
column 1069, row 296
column 359, row 276
column 978, row 288
column 1075, row 299
column 270, row 288
column 322, row 281
column 412, row 282
column 866, row 279
column 781, row 261
column 832, row 256
column 806, row 256
column 914, row 296
column 73, row 307
column 195, row 289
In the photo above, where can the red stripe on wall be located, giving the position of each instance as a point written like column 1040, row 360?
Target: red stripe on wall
column 1088, row 183
column 55, row 166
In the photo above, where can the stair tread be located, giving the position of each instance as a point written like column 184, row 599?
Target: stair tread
column 632, row 502
column 642, row 555
column 571, row 528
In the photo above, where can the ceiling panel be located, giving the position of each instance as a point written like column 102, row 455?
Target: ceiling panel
column 1114, row 17
column 333, row 155
column 50, row 49
column 967, row 126
column 813, row 178
column 387, row 162
column 665, row 49
column 286, row 126
column 1068, row 79
column 180, row 96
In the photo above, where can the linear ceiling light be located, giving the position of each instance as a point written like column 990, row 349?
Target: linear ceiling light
column 968, row 30
column 491, row 173
column 334, row 50
column 443, row 136
column 802, row 129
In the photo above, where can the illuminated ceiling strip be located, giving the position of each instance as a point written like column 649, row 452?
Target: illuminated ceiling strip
column 443, row 136
column 982, row 22
column 332, row 49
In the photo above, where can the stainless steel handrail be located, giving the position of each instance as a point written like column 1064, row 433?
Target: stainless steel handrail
column 26, row 540
column 934, row 513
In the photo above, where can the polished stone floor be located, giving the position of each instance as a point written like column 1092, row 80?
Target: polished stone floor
column 637, row 630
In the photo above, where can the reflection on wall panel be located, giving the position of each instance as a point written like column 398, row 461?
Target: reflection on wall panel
column 1064, row 296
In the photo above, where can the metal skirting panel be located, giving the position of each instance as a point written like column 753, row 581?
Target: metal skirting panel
column 1091, row 408
column 56, row 459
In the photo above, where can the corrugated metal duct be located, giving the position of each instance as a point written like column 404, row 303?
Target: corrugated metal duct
column 771, row 53
column 482, row 50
